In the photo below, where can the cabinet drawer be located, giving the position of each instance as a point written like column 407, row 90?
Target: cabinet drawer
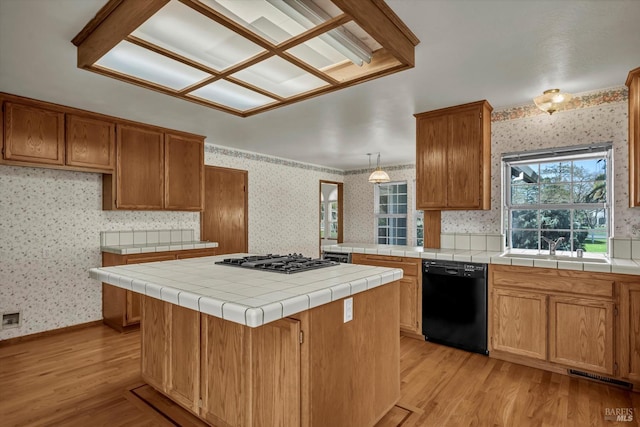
column 410, row 266
column 554, row 281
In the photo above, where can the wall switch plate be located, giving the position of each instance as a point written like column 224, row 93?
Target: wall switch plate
column 348, row 310
column 11, row 320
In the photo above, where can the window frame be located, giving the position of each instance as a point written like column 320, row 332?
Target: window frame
column 377, row 215
column 569, row 154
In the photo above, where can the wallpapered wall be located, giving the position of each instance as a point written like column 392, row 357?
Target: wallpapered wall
column 283, row 199
column 51, row 223
column 50, row 237
column 596, row 117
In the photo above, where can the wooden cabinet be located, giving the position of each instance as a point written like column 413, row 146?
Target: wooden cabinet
column 633, row 82
column 453, row 158
column 170, row 351
column 410, row 288
column 33, row 134
column 519, row 321
column 155, row 171
column 581, row 333
column 121, row 309
column 90, row 142
column 629, row 330
column 184, row 173
column 554, row 319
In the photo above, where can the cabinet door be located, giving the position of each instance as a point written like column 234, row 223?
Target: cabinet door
column 183, row 356
column 520, row 323
column 633, row 82
column 140, row 168
column 581, row 333
column 464, row 159
column 184, row 173
column 91, row 143
column 431, row 162
column 154, row 341
column 133, row 309
column 409, row 304
column 629, row 331
column 194, row 254
column 33, row 134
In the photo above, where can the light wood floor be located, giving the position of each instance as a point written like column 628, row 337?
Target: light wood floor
column 80, row 378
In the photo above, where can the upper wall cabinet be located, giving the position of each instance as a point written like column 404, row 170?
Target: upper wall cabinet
column 41, row 134
column 91, row 142
column 155, row 171
column 633, row 82
column 453, row 158
column 33, row 134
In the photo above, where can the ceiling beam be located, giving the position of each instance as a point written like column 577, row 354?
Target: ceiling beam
column 120, row 21
column 374, row 21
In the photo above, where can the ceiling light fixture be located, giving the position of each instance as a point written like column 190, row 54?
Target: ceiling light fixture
column 309, row 15
column 378, row 175
column 552, row 100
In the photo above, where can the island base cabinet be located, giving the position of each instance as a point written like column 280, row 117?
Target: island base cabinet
column 171, row 351
column 312, row 369
column 250, row 376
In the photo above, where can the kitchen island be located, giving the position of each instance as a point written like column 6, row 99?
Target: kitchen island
column 243, row 348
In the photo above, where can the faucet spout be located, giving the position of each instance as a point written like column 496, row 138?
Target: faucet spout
column 552, row 244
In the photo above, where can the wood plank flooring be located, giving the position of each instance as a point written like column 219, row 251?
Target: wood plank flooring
column 82, row 378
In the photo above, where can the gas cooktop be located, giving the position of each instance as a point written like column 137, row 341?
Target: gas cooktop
column 287, row 264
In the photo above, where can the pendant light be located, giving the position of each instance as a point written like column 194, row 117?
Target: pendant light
column 551, row 100
column 378, row 175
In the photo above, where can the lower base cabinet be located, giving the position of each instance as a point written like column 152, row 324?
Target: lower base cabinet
column 121, row 309
column 307, row 370
column 410, row 288
column 563, row 319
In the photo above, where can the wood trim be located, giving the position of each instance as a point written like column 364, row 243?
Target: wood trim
column 24, row 338
column 432, row 228
column 633, row 83
column 122, row 20
column 340, row 210
column 102, row 14
column 397, row 21
column 374, row 21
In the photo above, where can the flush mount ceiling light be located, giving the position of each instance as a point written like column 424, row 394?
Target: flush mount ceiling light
column 378, row 175
column 245, row 57
column 551, row 100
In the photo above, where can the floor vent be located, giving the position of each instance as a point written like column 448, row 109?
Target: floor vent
column 599, row 378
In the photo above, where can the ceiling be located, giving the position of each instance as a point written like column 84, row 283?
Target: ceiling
column 504, row 51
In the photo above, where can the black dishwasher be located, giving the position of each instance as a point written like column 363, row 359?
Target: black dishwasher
column 454, row 304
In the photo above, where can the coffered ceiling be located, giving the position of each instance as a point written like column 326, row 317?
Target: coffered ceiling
column 504, row 51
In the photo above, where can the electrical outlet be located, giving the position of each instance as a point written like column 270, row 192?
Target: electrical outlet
column 635, row 230
column 348, row 310
column 46, row 253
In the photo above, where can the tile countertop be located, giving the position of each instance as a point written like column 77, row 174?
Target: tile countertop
column 615, row 265
column 157, row 247
column 240, row 295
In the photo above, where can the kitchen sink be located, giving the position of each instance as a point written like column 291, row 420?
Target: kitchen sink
column 547, row 257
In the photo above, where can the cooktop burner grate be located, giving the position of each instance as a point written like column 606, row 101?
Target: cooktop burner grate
column 287, row 264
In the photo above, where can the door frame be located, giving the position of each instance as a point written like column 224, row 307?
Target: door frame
column 246, row 201
column 340, row 210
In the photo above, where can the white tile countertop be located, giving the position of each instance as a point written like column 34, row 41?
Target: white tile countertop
column 611, row 265
column 244, row 296
column 157, row 247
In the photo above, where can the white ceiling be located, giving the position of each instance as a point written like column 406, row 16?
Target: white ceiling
column 505, row 51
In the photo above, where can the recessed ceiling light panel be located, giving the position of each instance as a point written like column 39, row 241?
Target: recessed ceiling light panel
column 184, row 31
column 135, row 61
column 232, row 95
column 280, row 77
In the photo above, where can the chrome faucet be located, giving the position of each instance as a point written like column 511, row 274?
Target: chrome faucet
column 552, row 244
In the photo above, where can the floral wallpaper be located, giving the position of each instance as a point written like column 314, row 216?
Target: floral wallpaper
column 50, row 237
column 598, row 116
column 283, row 199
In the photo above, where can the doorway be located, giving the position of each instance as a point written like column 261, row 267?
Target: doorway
column 331, row 213
column 224, row 219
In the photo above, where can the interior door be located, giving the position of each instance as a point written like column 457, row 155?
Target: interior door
column 224, row 219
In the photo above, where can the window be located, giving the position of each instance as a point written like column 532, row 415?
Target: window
column 556, row 194
column 330, row 206
column 391, row 213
